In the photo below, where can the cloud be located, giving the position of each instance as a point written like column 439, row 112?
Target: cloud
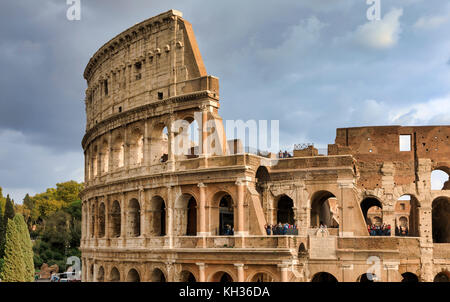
column 380, row 34
column 431, row 22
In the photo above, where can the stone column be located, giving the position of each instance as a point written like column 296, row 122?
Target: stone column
column 239, row 229
column 204, row 136
column 147, row 140
column 126, row 149
column 143, row 229
column 107, row 206
column 201, row 272
column 202, row 229
column 169, row 213
column 240, row 272
column 123, row 218
column 284, row 268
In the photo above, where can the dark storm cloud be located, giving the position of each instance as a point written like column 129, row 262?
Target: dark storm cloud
column 313, row 65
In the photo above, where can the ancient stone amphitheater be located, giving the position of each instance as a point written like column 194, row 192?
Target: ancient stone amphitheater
column 153, row 213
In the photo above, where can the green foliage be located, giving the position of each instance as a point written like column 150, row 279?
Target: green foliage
column 68, row 191
column 26, row 246
column 14, row 266
column 2, row 236
column 9, row 209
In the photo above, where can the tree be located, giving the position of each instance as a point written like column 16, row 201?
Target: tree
column 26, row 246
column 2, row 236
column 14, row 266
column 9, row 214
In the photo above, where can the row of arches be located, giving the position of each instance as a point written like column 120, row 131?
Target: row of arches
column 406, row 277
column 157, row 275
column 152, row 218
column 113, row 153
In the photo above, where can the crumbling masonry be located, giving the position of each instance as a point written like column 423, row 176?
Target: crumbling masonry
column 151, row 213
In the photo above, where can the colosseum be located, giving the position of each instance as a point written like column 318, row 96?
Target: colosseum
column 153, row 214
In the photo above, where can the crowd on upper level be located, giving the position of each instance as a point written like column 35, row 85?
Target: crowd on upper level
column 379, row 230
column 281, row 229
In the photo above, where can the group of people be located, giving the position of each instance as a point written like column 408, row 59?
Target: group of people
column 401, row 231
column 379, row 230
column 284, row 154
column 281, row 229
column 228, row 230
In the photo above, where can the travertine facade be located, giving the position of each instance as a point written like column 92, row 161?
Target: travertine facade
column 151, row 213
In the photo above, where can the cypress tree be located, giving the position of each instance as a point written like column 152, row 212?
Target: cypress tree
column 2, row 235
column 26, row 246
column 9, row 210
column 8, row 214
column 14, row 266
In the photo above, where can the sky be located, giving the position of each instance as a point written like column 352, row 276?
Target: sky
column 313, row 65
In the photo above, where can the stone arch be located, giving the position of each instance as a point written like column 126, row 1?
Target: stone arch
column 134, row 218
column 104, row 157
column 157, row 217
column 101, row 220
column 91, row 273
column 262, row 176
column 136, row 142
column 410, row 277
column 187, row 135
column 133, row 276
column 440, row 178
column 322, row 205
column 441, row 220
column 159, row 138
column 94, row 162
column 115, row 221
column 262, row 277
column 324, row 277
column 187, row 276
column 225, row 213
column 101, row 274
column 114, row 275
column 367, row 204
column 443, row 276
column 366, row 278
column 158, row 276
column 302, row 251
column 285, row 209
column 185, row 215
column 221, row 276
column 118, row 152
column 407, row 210
column 92, row 219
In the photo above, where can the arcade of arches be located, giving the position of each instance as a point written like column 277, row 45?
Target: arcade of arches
column 164, row 204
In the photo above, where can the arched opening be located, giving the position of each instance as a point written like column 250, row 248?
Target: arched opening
column 187, row 138
column 410, row 277
column 101, row 274
column 91, row 273
column 324, row 277
column 95, row 162
column 262, row 177
column 92, row 220
column 440, row 179
column 442, row 277
column 186, row 216
column 136, row 147
column 226, row 216
column 157, row 216
column 101, row 220
column 302, row 252
column 118, row 151
column 366, row 278
column 114, row 276
column 285, row 211
column 115, row 221
column 133, row 276
column 104, row 157
column 441, row 220
column 158, row 276
column 324, row 210
column 159, row 144
column 134, row 218
column 407, row 216
column 371, row 207
column 262, row 277
column 222, row 277
column 187, row 276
